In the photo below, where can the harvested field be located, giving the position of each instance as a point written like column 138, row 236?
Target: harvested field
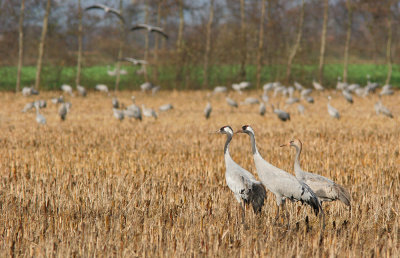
column 95, row 186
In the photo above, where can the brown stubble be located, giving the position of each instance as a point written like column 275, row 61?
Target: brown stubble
column 93, row 185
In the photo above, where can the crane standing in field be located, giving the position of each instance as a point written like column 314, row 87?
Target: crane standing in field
column 40, row 119
column 282, row 184
column 325, row 189
column 333, row 112
column 242, row 183
column 207, row 110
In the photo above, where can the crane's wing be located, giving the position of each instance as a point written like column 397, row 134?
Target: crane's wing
column 160, row 31
column 139, row 27
column 96, row 6
column 118, row 14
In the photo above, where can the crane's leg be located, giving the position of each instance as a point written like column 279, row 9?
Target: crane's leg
column 286, row 214
column 243, row 210
column 277, row 215
column 322, row 218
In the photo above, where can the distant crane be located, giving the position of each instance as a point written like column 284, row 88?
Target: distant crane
column 279, row 182
column 118, row 114
column 101, row 88
column 106, row 9
column 115, row 102
column 282, row 115
column 325, row 189
column 347, row 96
column 317, row 86
column 243, row 184
column 81, row 90
column 333, row 112
column 135, row 61
column 149, row 112
column 231, row 102
column 40, row 119
column 165, row 107
column 150, row 29
column 262, row 109
column 207, row 110
column 381, row 109
column 67, row 89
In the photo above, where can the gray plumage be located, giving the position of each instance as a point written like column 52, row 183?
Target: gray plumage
column 309, row 99
column 381, row 109
column 386, row 90
column 41, row 103
column 62, row 111
column 147, row 86
column 305, row 92
column 115, row 102
column 300, row 108
column 133, row 111
column 207, row 110
column 231, row 102
column 135, row 61
column 28, row 107
column 325, row 189
column 242, row 183
column 106, row 9
column 331, row 110
column 262, row 109
column 317, row 86
column 101, row 88
column 149, row 112
column 282, row 115
column 27, row 91
column 220, row 89
column 81, row 90
column 347, row 96
column 279, row 182
column 149, row 29
column 165, row 107
column 298, row 86
column 40, row 119
column 251, row 101
column 67, row 89
column 58, row 100
column 118, row 114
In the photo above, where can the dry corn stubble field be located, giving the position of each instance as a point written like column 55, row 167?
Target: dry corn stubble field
column 94, row 186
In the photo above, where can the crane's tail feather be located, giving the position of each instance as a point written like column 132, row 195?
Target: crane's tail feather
column 312, row 200
column 344, row 195
column 257, row 196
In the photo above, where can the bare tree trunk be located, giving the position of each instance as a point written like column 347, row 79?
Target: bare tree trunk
column 242, row 40
column 208, row 43
column 389, row 46
column 260, row 43
column 156, row 46
column 121, row 42
column 80, row 29
column 348, row 37
column 296, row 44
column 20, row 45
column 269, row 30
column 146, row 40
column 323, row 42
column 180, row 45
column 179, row 41
column 41, row 44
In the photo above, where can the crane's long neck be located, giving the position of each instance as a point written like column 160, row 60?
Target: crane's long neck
column 226, row 147
column 297, row 158
column 253, row 143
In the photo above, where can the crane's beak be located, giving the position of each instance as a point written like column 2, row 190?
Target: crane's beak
column 214, row 132
column 239, row 131
column 284, row 145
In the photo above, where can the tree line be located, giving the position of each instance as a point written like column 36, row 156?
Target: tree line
column 203, row 35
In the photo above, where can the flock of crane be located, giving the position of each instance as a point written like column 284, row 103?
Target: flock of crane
column 304, row 95
column 134, row 111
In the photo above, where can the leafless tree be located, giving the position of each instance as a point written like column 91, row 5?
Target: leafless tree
column 243, row 34
column 323, row 43
column 296, row 45
column 121, row 43
column 389, row 45
column 260, row 43
column 208, row 43
column 41, row 44
column 20, row 45
column 348, row 37
column 80, row 32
